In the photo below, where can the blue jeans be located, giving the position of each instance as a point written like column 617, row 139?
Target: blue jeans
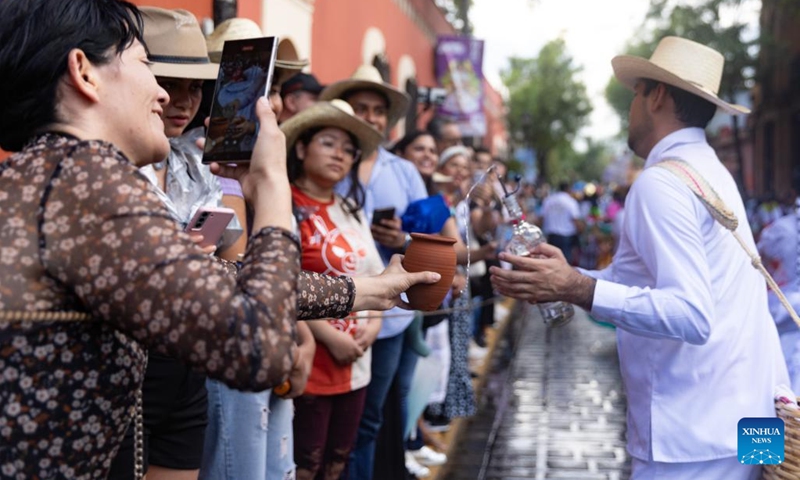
column 392, row 361
column 249, row 435
column 477, row 326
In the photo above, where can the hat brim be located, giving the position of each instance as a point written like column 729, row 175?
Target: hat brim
column 441, row 178
column 199, row 71
column 398, row 101
column 326, row 115
column 284, row 71
column 629, row 69
column 291, row 64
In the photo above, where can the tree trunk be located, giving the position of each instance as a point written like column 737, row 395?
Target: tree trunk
column 737, row 145
column 541, row 165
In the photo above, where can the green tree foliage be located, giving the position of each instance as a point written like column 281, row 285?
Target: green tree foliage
column 566, row 164
column 457, row 13
column 698, row 20
column 547, row 104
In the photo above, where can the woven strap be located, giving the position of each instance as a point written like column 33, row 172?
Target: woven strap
column 41, row 316
column 725, row 216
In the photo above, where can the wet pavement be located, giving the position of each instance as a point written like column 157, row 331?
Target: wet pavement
column 552, row 408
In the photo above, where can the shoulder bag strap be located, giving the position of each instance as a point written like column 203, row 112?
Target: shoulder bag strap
column 722, row 214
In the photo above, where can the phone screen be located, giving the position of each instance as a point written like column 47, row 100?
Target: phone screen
column 245, row 74
column 382, row 214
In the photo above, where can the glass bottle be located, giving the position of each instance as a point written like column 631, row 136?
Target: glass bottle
column 525, row 238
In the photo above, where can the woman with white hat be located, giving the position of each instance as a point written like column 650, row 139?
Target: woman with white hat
column 325, row 143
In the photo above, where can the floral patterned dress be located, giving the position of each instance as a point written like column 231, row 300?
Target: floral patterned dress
column 82, row 230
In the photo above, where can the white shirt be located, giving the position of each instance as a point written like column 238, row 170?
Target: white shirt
column 559, row 212
column 698, row 348
column 778, row 245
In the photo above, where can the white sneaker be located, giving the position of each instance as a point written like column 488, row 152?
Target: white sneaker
column 429, row 457
column 414, row 468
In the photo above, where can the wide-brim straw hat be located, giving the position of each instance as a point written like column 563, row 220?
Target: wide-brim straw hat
column 338, row 114
column 286, row 64
column 367, row 77
column 176, row 45
column 681, row 63
column 441, row 178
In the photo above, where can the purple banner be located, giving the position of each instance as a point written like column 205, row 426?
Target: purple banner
column 459, row 70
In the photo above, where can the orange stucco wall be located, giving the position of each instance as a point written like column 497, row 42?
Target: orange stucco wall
column 338, row 34
column 205, row 8
column 200, row 8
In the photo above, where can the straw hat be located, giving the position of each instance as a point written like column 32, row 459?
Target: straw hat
column 242, row 29
column 176, row 44
column 336, row 113
column 454, row 151
column 681, row 63
column 367, row 77
column 441, row 178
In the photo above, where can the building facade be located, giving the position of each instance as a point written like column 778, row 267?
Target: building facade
column 397, row 36
column 776, row 117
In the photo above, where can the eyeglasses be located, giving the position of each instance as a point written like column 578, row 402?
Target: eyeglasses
column 329, row 146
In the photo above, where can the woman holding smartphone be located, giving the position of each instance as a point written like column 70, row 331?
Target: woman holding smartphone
column 96, row 269
column 325, row 144
column 175, row 399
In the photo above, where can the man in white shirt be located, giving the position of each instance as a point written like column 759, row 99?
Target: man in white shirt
column 698, row 349
column 561, row 216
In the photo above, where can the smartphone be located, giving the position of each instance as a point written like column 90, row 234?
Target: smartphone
column 245, row 74
column 382, row 214
column 210, row 222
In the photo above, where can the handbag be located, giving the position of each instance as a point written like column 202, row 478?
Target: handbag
column 50, row 316
column 785, row 409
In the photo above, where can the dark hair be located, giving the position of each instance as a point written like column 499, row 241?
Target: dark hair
column 620, row 193
column 355, row 195
column 407, row 140
column 349, row 93
column 35, row 38
column 436, row 125
column 563, row 187
column 690, row 109
column 482, row 149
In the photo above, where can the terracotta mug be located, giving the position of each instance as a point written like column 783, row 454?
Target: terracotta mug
column 430, row 253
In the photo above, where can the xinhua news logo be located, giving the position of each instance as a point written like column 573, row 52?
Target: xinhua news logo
column 760, row 441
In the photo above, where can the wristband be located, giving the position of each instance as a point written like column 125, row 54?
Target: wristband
column 408, row 241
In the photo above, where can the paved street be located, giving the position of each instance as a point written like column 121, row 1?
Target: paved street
column 553, row 407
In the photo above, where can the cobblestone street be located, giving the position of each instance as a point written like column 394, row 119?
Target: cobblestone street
column 552, row 407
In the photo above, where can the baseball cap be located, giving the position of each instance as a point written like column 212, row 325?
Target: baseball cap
column 305, row 82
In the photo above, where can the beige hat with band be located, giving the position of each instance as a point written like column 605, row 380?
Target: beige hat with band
column 367, row 77
column 682, row 63
column 286, row 64
column 176, row 44
column 338, row 114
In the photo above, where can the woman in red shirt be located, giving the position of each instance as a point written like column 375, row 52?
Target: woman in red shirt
column 324, row 144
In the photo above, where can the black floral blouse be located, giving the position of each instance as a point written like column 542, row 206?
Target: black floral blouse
column 81, row 230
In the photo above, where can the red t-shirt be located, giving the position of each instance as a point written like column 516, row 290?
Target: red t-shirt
column 334, row 242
